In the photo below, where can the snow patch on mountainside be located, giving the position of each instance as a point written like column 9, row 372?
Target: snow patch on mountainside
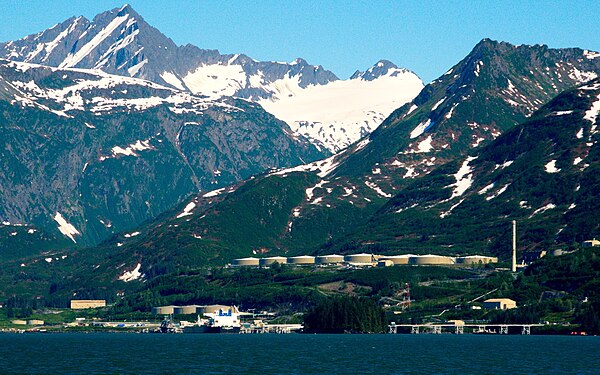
column 74, row 58
column 310, row 191
column 436, row 105
column 446, row 213
column 341, row 112
column 65, row 227
column 550, row 167
column 377, row 189
column 132, row 275
column 425, row 145
column 592, row 114
column 464, row 178
column 172, row 79
column 216, row 80
column 547, row 207
column 591, row 55
column 76, row 97
column 187, row 211
column 322, row 167
column 500, row 191
column 421, row 128
column 130, row 150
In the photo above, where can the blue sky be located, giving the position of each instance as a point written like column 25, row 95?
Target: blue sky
column 427, row 37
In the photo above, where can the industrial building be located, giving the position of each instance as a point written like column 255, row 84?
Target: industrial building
column 301, row 260
column 367, row 260
column 430, row 259
column 272, row 260
column 329, row 259
column 78, row 304
column 360, row 259
column 163, row 310
column 397, row 259
column 246, row 262
column 499, row 304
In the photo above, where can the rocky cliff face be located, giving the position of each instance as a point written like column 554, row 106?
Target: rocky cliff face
column 87, row 154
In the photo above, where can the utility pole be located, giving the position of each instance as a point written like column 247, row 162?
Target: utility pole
column 514, row 246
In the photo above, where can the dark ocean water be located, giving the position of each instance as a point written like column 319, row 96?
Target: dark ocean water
column 297, row 354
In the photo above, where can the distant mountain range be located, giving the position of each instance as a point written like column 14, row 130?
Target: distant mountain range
column 120, row 42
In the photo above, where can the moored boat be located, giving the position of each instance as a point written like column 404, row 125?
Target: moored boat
column 218, row 322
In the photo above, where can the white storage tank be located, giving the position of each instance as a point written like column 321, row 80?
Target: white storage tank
column 302, row 259
column 246, row 262
column 397, row 259
column 431, row 260
column 190, row 309
column 177, row 310
column 163, row 310
column 476, row 259
column 360, row 258
column 329, row 259
column 270, row 260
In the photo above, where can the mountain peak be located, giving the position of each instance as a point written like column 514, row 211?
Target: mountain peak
column 379, row 69
column 299, row 61
column 125, row 10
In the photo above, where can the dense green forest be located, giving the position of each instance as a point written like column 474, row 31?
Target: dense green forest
column 345, row 315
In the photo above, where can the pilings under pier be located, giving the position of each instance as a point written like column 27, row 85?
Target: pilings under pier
column 459, row 329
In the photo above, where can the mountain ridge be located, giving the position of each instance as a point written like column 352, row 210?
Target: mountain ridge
column 121, row 42
column 93, row 153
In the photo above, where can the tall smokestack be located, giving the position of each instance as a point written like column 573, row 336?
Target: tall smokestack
column 514, row 246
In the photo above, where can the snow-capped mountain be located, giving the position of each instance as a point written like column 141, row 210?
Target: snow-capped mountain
column 120, row 42
column 341, row 112
column 84, row 154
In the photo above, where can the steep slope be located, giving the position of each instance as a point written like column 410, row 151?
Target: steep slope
column 543, row 173
column 495, row 87
column 86, row 154
column 120, row 42
column 464, row 109
column 322, row 206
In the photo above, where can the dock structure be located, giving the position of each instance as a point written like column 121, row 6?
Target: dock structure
column 459, row 329
column 271, row 328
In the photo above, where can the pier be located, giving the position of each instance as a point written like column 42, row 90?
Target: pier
column 270, row 328
column 459, row 329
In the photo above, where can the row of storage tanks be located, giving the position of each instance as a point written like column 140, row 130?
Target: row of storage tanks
column 366, row 259
column 191, row 309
